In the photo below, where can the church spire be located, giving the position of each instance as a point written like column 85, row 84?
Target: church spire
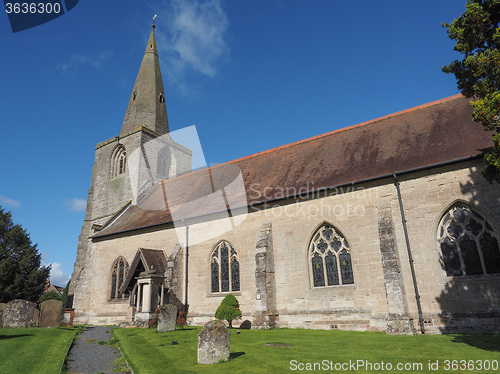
column 147, row 103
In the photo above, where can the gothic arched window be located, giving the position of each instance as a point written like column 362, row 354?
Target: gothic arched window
column 330, row 258
column 468, row 243
column 224, row 268
column 119, row 161
column 118, row 273
column 163, row 165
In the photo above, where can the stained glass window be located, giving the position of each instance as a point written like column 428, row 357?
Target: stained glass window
column 468, row 243
column 330, row 258
column 215, row 276
column 118, row 274
column 225, row 268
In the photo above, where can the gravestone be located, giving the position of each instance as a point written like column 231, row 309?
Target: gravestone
column 3, row 306
column 213, row 343
column 167, row 317
column 246, row 325
column 20, row 313
column 51, row 313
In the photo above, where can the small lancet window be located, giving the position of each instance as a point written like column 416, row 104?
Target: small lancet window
column 119, row 161
column 330, row 258
column 163, row 165
column 224, row 268
column 118, row 273
column 161, row 99
column 134, row 95
column 468, row 244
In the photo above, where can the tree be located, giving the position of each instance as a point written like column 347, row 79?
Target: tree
column 21, row 273
column 51, row 295
column 229, row 309
column 477, row 37
column 65, row 295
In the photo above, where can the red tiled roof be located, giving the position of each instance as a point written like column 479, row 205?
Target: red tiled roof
column 430, row 134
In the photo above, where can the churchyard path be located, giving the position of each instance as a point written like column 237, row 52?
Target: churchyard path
column 91, row 352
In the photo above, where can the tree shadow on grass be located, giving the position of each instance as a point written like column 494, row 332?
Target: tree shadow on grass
column 14, row 336
column 234, row 355
column 185, row 329
column 486, row 342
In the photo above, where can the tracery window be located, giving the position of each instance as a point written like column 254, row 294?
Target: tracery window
column 468, row 243
column 224, row 268
column 119, row 161
column 330, row 258
column 163, row 165
column 118, row 273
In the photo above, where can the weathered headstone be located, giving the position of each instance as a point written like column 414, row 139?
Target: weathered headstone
column 51, row 313
column 246, row 325
column 19, row 313
column 213, row 343
column 167, row 318
column 3, row 306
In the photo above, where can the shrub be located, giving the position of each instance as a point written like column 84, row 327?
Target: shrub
column 153, row 322
column 228, row 310
column 51, row 295
column 181, row 319
column 65, row 295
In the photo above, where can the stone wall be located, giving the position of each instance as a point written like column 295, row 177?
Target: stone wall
column 368, row 216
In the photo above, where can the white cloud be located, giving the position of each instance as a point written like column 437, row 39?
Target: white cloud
column 58, row 276
column 76, row 61
column 76, row 205
column 9, row 202
column 194, row 39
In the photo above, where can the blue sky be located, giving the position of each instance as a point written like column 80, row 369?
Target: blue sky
column 250, row 75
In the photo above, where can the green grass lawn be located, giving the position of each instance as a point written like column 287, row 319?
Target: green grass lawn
column 150, row 352
column 34, row 350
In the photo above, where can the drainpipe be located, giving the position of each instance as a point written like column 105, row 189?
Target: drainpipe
column 410, row 258
column 186, row 255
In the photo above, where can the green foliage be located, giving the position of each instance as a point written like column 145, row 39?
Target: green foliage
column 153, row 322
column 229, row 309
column 21, row 273
column 51, row 295
column 181, row 319
column 65, row 295
column 477, row 37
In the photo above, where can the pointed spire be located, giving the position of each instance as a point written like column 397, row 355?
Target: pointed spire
column 147, row 103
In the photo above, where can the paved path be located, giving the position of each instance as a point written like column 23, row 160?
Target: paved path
column 89, row 354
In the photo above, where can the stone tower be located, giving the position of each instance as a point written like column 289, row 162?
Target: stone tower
column 111, row 189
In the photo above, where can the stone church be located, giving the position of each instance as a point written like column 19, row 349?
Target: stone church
column 383, row 226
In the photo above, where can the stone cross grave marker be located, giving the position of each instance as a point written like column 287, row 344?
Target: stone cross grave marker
column 167, row 318
column 213, row 343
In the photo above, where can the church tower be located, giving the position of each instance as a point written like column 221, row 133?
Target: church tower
column 111, row 189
